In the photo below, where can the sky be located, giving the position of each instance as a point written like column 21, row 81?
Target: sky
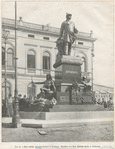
column 87, row 16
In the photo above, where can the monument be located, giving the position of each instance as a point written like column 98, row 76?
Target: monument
column 67, row 67
column 68, row 79
column 55, row 102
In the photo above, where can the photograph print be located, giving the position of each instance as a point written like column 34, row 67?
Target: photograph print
column 57, row 71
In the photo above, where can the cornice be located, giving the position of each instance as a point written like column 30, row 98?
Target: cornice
column 103, row 86
column 46, row 47
column 45, row 32
column 86, row 39
column 25, row 75
column 81, row 46
column 26, row 29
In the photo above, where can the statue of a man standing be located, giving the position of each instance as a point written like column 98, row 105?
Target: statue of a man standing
column 67, row 34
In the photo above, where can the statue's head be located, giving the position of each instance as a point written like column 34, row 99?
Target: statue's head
column 48, row 77
column 84, row 78
column 68, row 16
column 10, row 95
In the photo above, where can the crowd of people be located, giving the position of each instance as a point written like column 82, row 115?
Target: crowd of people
column 107, row 102
column 24, row 103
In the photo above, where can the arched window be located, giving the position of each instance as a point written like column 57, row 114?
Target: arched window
column 46, row 61
column 31, row 90
column 8, row 90
column 3, row 56
column 31, row 59
column 10, row 57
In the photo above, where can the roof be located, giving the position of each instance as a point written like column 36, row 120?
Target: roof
column 104, row 91
column 104, row 86
column 6, row 22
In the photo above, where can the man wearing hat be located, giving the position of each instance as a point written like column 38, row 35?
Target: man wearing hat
column 67, row 33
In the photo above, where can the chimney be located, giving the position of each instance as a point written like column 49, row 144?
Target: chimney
column 91, row 33
column 20, row 19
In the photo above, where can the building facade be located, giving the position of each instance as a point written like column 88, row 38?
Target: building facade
column 103, row 92
column 36, row 52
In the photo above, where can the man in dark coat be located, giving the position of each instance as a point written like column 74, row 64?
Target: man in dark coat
column 67, row 33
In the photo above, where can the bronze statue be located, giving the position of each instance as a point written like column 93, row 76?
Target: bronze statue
column 48, row 87
column 67, row 36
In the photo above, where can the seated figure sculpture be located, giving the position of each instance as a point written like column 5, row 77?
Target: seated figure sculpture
column 80, row 89
column 87, row 84
column 48, row 87
column 47, row 96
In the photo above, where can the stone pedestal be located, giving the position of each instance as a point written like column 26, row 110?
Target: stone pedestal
column 67, row 71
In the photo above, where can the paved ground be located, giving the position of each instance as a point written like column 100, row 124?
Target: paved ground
column 86, row 132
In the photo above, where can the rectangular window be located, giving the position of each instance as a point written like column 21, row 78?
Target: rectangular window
column 81, row 43
column 31, row 36
column 31, row 61
column 3, row 58
column 46, row 38
column 46, row 62
column 10, row 59
column 3, row 92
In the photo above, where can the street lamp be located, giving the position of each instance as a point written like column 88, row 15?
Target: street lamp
column 32, row 90
column 16, row 118
column 5, row 34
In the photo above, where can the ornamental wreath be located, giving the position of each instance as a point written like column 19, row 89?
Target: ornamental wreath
column 53, row 101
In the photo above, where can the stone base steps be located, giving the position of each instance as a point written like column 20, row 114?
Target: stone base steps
column 66, row 115
column 64, row 123
column 59, row 123
column 74, row 115
column 29, row 115
column 74, row 108
column 68, row 108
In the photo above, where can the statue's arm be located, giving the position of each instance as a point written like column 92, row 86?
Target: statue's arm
column 75, row 29
column 61, row 31
column 54, row 88
column 84, row 83
column 53, row 84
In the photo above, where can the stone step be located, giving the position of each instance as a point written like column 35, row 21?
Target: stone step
column 29, row 115
column 65, row 115
column 66, row 123
column 70, row 108
column 59, row 123
column 36, row 108
column 75, row 115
